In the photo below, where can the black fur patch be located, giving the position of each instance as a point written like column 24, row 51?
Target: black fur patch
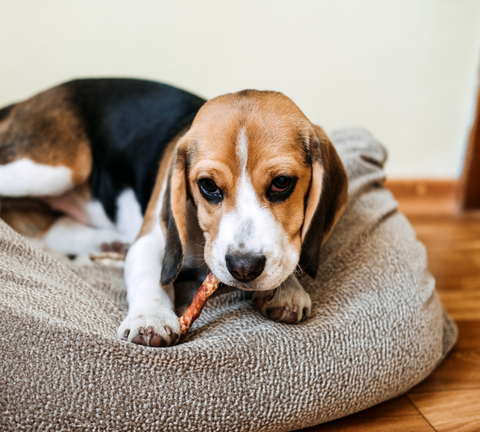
column 310, row 255
column 174, row 254
column 129, row 123
column 4, row 112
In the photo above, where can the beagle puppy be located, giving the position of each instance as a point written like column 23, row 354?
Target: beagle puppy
column 244, row 184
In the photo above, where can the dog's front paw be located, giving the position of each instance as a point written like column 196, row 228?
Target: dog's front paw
column 155, row 329
column 289, row 303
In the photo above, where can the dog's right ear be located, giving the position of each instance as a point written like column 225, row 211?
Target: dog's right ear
column 326, row 201
column 174, row 215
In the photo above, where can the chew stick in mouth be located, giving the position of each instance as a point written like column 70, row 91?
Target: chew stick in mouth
column 208, row 287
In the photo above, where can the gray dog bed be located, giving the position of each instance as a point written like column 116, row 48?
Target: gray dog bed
column 377, row 329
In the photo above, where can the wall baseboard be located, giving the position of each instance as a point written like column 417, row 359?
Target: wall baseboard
column 426, row 196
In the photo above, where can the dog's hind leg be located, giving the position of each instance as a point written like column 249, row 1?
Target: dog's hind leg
column 44, row 146
column 25, row 177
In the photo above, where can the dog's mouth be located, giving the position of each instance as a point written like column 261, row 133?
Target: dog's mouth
column 262, row 283
column 248, row 286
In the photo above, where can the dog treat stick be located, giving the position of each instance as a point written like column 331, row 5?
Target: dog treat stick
column 208, row 287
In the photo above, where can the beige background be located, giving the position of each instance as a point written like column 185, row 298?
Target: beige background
column 405, row 69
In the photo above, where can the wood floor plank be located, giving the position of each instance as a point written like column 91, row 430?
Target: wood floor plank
column 447, row 230
column 397, row 415
column 450, row 263
column 473, row 256
column 469, row 335
column 458, row 283
column 462, row 305
column 449, row 411
column 467, row 245
column 460, row 370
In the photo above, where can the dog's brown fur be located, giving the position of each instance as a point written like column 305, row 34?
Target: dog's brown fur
column 47, row 129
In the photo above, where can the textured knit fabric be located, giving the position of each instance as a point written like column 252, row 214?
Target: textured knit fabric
column 377, row 329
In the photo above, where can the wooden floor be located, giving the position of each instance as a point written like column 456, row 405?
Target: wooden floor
column 448, row 400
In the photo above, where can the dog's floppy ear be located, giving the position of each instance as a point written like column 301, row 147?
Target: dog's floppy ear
column 326, row 199
column 174, row 215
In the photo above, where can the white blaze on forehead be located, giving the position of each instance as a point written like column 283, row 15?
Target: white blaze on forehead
column 248, row 208
column 242, row 151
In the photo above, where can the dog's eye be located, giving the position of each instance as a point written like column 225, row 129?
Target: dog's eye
column 209, row 186
column 210, row 190
column 281, row 188
column 280, row 184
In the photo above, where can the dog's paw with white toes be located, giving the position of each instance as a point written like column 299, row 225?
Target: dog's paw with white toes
column 155, row 329
column 289, row 303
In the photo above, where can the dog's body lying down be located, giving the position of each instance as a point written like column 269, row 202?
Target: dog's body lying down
column 243, row 182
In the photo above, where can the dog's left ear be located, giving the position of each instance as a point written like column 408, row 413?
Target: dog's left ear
column 326, row 199
column 174, row 215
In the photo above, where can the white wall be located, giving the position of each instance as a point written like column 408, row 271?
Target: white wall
column 404, row 69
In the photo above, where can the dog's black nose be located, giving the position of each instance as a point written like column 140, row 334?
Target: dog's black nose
column 245, row 267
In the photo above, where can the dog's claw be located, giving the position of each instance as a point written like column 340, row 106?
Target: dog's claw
column 173, row 339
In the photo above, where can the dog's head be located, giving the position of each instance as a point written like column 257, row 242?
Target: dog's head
column 268, row 186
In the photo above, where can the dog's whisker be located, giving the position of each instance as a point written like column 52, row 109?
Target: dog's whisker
column 275, row 293
column 197, row 244
column 299, row 272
